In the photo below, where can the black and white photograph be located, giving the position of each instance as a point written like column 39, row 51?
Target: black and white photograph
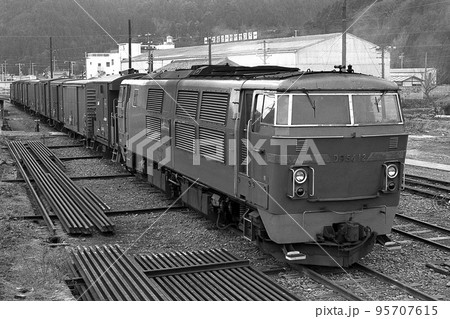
column 235, row 150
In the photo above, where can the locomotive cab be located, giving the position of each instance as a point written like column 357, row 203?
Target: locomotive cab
column 331, row 162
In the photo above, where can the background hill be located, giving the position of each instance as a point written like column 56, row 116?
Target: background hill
column 412, row 28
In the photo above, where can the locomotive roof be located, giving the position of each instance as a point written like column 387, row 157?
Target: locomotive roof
column 335, row 81
column 115, row 80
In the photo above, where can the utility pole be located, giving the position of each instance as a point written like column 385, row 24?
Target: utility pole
column 150, row 53
column 20, row 69
column 264, row 52
column 71, row 63
column 401, row 57
column 209, row 51
column 51, row 58
column 32, row 68
column 129, row 44
column 344, row 34
column 382, row 61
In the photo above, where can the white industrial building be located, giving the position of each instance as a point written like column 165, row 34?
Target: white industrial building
column 99, row 64
column 314, row 52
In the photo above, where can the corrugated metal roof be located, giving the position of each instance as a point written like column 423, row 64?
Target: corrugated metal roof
column 403, row 78
column 241, row 47
column 188, row 63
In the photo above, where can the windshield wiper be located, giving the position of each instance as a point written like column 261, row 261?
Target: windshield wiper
column 378, row 101
column 313, row 103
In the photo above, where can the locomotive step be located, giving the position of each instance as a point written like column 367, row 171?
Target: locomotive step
column 293, row 255
column 388, row 243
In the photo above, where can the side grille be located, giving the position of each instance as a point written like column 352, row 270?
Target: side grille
column 212, row 144
column 214, row 107
column 187, row 102
column 185, row 137
column 153, row 127
column 393, row 143
column 155, row 98
column 299, row 146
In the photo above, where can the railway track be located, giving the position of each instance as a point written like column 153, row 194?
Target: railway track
column 360, row 283
column 431, row 234
column 428, row 187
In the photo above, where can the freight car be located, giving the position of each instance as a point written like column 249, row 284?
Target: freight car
column 308, row 163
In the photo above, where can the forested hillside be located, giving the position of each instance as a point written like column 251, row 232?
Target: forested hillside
column 412, row 28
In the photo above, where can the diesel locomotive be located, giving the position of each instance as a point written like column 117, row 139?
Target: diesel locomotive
column 309, row 164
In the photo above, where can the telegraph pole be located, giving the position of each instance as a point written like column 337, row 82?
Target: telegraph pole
column 51, row 58
column 150, row 53
column 401, row 57
column 20, row 69
column 209, row 51
column 129, row 44
column 382, row 61
column 71, row 63
column 264, row 52
column 344, row 34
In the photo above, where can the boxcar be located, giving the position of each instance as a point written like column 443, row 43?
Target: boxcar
column 74, row 100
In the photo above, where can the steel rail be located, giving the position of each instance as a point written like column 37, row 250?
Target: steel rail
column 87, row 205
column 65, row 146
column 428, row 179
column 60, row 203
column 51, row 155
column 424, row 240
column 37, row 174
column 142, row 210
column 212, row 283
column 77, row 178
column 414, row 292
column 96, row 198
column 314, row 275
column 74, row 158
column 69, row 207
column 422, row 223
column 51, row 227
column 117, row 285
column 137, row 274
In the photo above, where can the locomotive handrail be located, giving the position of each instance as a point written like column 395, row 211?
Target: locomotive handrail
column 340, row 199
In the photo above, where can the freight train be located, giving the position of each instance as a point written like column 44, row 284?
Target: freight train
column 309, row 164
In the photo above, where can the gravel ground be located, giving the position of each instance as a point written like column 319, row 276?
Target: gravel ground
column 184, row 230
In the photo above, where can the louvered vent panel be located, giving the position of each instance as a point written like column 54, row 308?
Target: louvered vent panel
column 299, row 146
column 187, row 103
column 212, row 144
column 91, row 95
column 153, row 127
column 393, row 143
column 214, row 107
column 91, row 99
column 155, row 98
column 185, row 137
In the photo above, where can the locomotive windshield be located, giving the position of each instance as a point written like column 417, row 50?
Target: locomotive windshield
column 331, row 109
column 376, row 108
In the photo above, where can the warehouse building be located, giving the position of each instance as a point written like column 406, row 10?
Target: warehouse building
column 314, row 52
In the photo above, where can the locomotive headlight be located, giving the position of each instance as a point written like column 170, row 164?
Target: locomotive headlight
column 300, row 176
column 392, row 171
